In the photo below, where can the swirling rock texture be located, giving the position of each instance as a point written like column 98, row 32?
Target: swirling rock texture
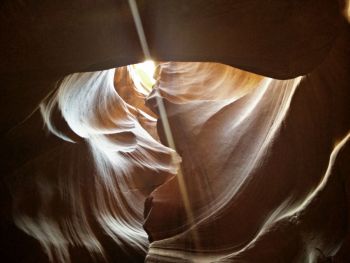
column 254, row 199
column 265, row 162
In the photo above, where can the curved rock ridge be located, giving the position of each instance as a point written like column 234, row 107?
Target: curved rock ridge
column 97, row 181
column 259, row 160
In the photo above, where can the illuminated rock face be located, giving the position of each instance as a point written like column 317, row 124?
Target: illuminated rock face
column 265, row 172
column 262, row 165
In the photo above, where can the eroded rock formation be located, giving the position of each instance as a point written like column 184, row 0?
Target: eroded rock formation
column 265, row 161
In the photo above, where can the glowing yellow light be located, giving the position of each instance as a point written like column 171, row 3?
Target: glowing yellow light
column 145, row 72
column 148, row 67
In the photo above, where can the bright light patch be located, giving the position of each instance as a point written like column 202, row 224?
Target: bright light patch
column 143, row 73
